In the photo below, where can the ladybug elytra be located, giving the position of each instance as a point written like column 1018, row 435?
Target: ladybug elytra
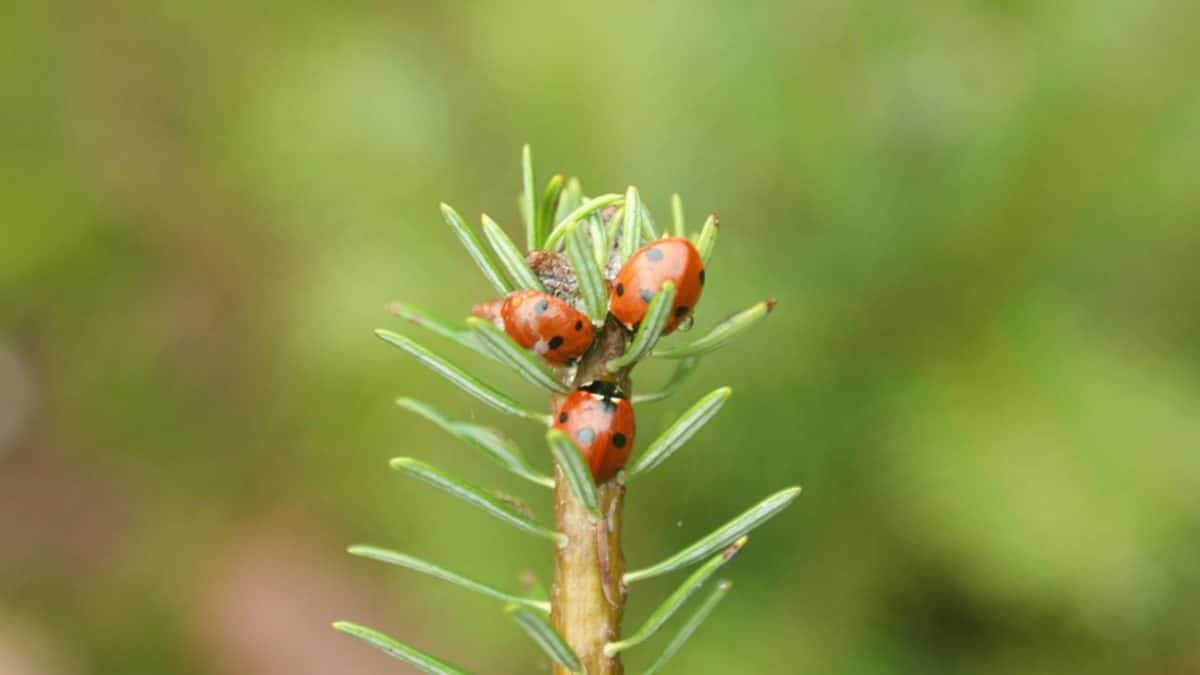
column 547, row 325
column 600, row 423
column 671, row 259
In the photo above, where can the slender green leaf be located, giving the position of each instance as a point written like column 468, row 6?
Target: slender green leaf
column 538, row 627
column 675, row 600
column 710, row 603
column 587, row 274
column 657, row 315
column 410, row 655
column 529, row 206
column 631, row 226
column 649, row 229
column 486, row 439
column 572, row 197
column 474, row 496
column 721, row 333
column 418, row 565
column 474, row 247
column 614, row 226
column 456, row 375
column 721, row 537
column 510, row 256
column 677, row 215
column 683, row 370
column 679, row 432
column 528, row 365
column 708, row 237
column 597, row 238
column 425, row 320
column 587, row 207
column 576, row 471
column 550, row 199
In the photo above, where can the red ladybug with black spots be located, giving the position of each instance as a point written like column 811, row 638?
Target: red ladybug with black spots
column 599, row 421
column 547, row 325
column 671, row 259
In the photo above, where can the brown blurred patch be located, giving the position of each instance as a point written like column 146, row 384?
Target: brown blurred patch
column 28, row 649
column 265, row 606
column 61, row 523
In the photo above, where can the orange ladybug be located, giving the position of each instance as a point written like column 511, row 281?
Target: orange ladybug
column 547, row 325
column 599, row 421
column 672, row 259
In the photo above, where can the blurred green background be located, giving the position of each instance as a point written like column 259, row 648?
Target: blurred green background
column 981, row 221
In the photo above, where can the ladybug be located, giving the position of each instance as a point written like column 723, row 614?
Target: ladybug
column 547, row 325
column 600, row 422
column 671, row 259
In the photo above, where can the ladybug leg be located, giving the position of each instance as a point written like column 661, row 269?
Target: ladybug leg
column 489, row 310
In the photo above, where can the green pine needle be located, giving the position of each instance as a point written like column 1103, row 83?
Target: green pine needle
column 437, row 326
column 653, row 323
column 710, row 603
column 576, row 471
column 588, row 207
column 707, row 239
column 680, row 432
column 417, row 565
column 721, row 334
column 597, row 236
column 550, row 200
column 525, row 363
column 552, row 644
column 572, row 197
column 410, row 655
column 482, row 258
column 461, row 378
column 721, row 537
column 631, row 225
column 678, row 228
column 529, row 206
column 587, row 274
column 683, row 370
column 673, row 602
column 510, row 256
column 491, row 442
column 474, row 496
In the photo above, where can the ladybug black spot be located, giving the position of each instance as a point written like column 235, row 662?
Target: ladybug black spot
column 681, row 310
column 586, row 435
column 618, row 440
column 654, row 255
column 646, row 295
column 541, row 305
column 556, row 342
column 620, row 290
column 562, row 418
column 579, row 325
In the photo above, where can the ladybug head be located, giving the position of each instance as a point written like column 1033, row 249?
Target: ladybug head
column 603, row 388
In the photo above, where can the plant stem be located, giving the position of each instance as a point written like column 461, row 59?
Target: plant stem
column 588, row 597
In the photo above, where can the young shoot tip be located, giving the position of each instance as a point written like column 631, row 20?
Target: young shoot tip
column 736, row 547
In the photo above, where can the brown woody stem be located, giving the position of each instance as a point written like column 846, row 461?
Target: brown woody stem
column 588, row 597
